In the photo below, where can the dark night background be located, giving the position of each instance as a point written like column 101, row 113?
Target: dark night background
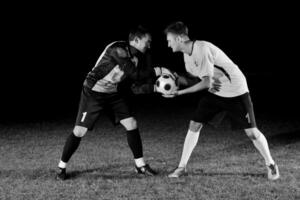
column 48, row 49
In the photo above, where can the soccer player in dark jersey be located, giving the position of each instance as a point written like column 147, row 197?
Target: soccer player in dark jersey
column 118, row 65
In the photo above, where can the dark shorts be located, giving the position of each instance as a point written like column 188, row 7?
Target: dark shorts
column 92, row 104
column 239, row 110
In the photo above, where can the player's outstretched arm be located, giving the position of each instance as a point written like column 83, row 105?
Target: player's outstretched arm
column 202, row 85
column 184, row 80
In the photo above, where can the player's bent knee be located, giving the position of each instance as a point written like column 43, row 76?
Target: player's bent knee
column 195, row 126
column 79, row 131
column 253, row 133
column 129, row 123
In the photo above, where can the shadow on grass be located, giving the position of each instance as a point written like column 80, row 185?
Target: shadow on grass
column 202, row 172
column 245, row 174
column 107, row 174
column 116, row 171
column 285, row 137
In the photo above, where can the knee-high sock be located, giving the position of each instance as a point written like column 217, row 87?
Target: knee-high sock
column 190, row 142
column 261, row 145
column 135, row 143
column 70, row 147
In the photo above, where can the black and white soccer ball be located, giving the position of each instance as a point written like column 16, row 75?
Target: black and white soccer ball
column 166, row 84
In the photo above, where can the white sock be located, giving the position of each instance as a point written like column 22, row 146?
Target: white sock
column 262, row 146
column 139, row 162
column 62, row 164
column 190, row 142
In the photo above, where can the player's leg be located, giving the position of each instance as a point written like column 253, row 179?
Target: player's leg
column 190, row 143
column 242, row 113
column 207, row 108
column 135, row 144
column 261, row 144
column 123, row 114
column 134, row 139
column 71, row 145
column 87, row 115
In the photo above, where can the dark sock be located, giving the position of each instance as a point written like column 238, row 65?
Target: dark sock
column 70, row 147
column 135, row 143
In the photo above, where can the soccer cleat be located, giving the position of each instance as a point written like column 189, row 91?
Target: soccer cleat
column 145, row 170
column 62, row 174
column 179, row 171
column 273, row 172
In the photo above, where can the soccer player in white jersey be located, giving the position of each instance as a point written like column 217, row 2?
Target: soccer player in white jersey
column 206, row 61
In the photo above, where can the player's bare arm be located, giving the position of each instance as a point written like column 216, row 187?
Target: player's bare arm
column 202, row 85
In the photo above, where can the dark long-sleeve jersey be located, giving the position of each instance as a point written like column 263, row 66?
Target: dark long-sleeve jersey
column 120, row 62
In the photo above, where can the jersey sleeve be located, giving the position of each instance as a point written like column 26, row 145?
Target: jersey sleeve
column 120, row 56
column 114, row 55
column 143, row 77
column 140, row 79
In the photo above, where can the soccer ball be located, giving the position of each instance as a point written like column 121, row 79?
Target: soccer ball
column 165, row 84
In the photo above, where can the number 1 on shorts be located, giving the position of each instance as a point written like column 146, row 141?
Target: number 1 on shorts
column 83, row 116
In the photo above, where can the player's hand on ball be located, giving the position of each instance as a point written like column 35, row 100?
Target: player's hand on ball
column 169, row 72
column 162, row 70
column 215, row 86
column 171, row 95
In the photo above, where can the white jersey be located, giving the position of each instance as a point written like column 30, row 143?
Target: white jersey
column 209, row 60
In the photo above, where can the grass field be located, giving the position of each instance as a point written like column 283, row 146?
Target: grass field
column 224, row 165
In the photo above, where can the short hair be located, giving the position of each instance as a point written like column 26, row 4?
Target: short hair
column 178, row 28
column 139, row 32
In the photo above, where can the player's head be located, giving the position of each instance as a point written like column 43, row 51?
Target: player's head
column 177, row 34
column 140, row 38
